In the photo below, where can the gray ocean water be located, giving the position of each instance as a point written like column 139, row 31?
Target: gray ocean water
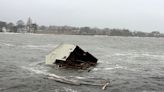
column 133, row 64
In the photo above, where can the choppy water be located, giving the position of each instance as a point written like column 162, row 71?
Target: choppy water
column 132, row 64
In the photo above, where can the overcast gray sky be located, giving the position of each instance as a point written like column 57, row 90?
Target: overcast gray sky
column 140, row 15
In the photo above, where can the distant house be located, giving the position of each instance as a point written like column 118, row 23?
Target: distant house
column 4, row 29
column 22, row 30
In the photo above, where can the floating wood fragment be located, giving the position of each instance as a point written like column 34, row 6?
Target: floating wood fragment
column 80, row 80
column 104, row 87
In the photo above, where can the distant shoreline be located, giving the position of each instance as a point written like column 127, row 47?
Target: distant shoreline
column 30, row 27
column 74, row 34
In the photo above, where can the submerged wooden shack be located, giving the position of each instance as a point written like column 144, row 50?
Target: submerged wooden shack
column 70, row 56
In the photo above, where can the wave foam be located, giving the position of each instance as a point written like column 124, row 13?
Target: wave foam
column 112, row 68
column 138, row 55
column 7, row 44
column 69, row 89
column 41, row 47
column 34, row 70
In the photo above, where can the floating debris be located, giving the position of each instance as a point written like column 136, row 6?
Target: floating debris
column 70, row 56
column 80, row 80
column 73, row 80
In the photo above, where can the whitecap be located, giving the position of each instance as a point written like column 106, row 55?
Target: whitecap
column 10, row 33
column 69, row 89
column 120, row 54
column 7, row 44
column 40, row 47
column 152, row 55
column 111, row 68
column 134, row 54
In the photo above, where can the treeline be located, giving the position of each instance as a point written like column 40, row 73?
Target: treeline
column 30, row 27
column 96, row 31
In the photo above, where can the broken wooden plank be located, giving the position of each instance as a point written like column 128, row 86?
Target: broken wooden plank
column 104, row 87
column 80, row 80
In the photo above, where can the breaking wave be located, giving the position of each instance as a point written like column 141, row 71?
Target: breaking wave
column 139, row 55
column 111, row 68
column 37, row 71
column 7, row 44
column 42, row 47
column 69, row 90
column 9, row 33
